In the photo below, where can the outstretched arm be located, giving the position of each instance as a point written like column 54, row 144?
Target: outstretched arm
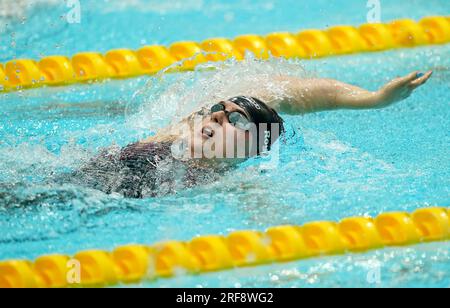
column 311, row 95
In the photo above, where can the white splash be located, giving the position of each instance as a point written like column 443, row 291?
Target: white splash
column 181, row 94
column 18, row 8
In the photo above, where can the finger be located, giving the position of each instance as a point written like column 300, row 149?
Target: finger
column 422, row 80
column 409, row 78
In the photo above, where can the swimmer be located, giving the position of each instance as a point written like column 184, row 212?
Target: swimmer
column 213, row 140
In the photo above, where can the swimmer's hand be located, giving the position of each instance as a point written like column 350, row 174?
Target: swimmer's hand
column 401, row 88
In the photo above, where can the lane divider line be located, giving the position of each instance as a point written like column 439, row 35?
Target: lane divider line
column 19, row 74
column 135, row 263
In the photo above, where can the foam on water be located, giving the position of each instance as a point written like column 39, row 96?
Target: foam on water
column 181, row 94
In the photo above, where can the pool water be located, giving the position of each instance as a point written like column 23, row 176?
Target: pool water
column 332, row 164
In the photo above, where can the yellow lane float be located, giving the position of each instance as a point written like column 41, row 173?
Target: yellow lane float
column 125, row 63
column 135, row 263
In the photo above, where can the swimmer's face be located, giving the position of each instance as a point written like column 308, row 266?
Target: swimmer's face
column 217, row 137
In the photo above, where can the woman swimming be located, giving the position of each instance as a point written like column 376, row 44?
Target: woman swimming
column 215, row 139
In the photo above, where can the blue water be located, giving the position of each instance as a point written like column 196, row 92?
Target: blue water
column 338, row 164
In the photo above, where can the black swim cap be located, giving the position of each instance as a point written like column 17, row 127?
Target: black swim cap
column 268, row 123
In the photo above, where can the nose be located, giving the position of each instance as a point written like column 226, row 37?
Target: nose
column 219, row 117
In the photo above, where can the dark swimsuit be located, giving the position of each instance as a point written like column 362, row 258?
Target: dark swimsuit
column 143, row 170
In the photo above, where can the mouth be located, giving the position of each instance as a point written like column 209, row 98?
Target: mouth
column 207, row 132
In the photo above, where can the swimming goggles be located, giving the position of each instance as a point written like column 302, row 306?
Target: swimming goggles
column 236, row 118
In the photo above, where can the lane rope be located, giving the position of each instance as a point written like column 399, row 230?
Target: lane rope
column 136, row 263
column 84, row 67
